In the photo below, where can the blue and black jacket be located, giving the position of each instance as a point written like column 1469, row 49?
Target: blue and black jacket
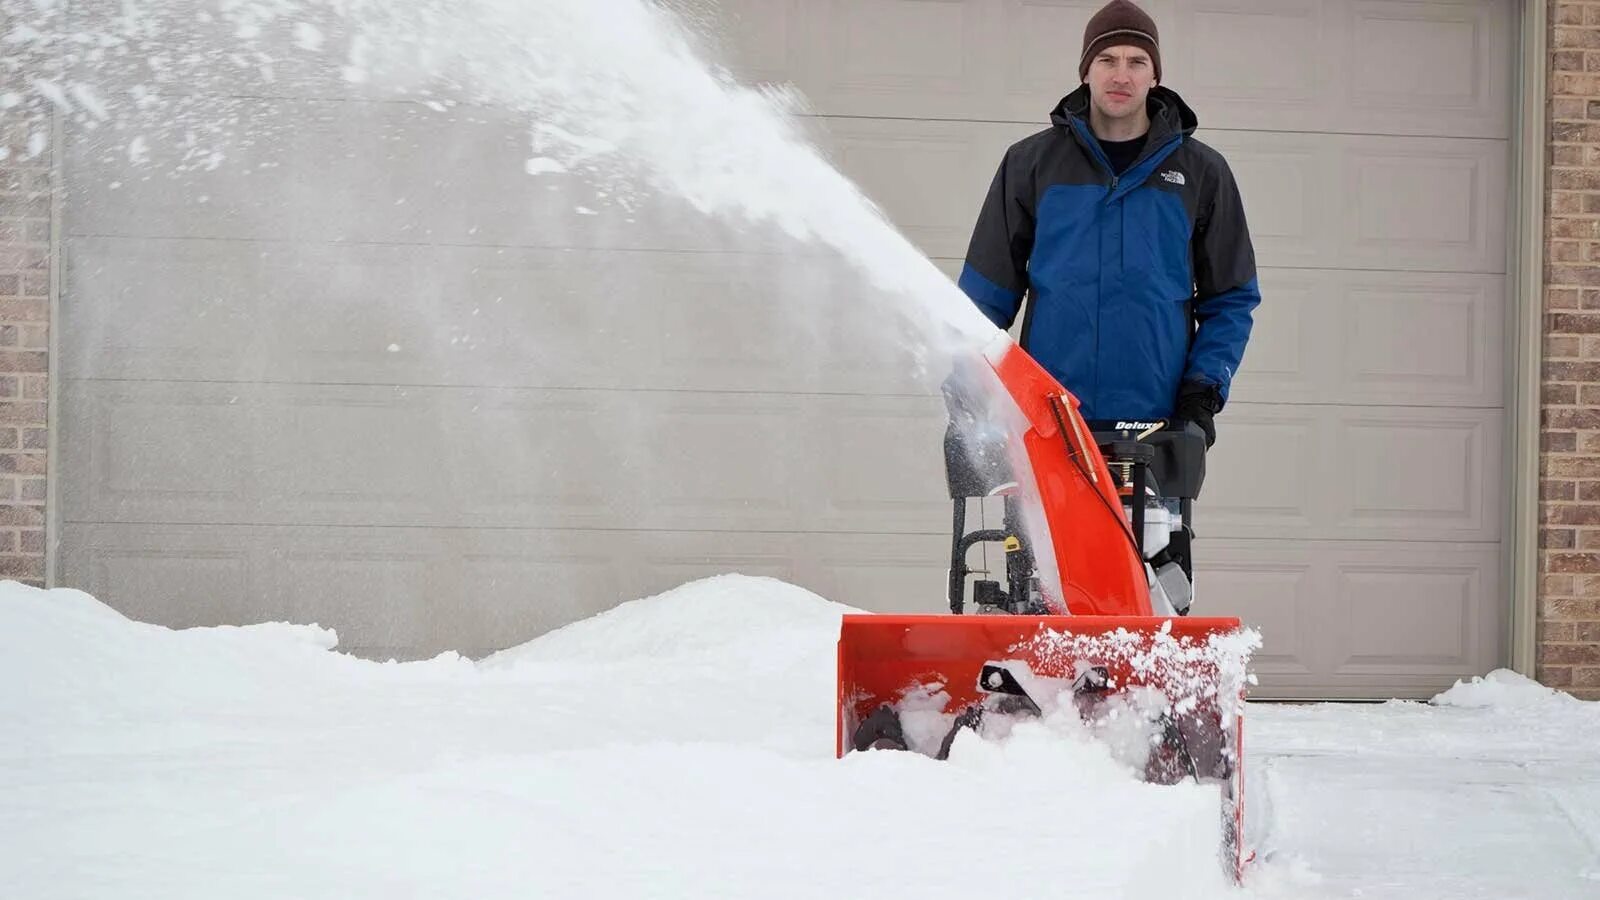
column 1136, row 284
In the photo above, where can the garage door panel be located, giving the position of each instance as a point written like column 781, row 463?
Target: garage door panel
column 180, row 450
column 1371, row 202
column 1039, row 44
column 162, row 302
column 763, row 42
column 883, row 462
column 1375, row 338
column 514, row 456
column 1354, row 473
column 1423, row 473
column 1425, row 204
column 351, row 453
column 1423, row 338
column 885, row 573
column 938, row 64
column 1397, row 619
column 1445, row 65
column 1271, row 589
column 1410, row 616
column 1256, row 475
column 929, row 177
column 176, row 583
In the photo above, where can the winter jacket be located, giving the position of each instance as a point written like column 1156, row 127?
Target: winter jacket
column 1136, row 283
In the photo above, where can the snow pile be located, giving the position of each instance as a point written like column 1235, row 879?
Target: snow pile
column 1501, row 689
column 680, row 745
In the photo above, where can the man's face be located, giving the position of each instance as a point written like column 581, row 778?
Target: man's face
column 1120, row 78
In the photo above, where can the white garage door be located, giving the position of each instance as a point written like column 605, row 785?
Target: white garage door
column 269, row 410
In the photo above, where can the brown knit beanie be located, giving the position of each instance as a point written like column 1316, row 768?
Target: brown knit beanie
column 1117, row 23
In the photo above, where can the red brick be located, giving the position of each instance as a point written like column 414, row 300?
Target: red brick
column 1555, row 347
column 1571, row 514
column 1553, row 394
column 33, row 490
column 26, row 463
column 1566, row 14
column 39, row 438
column 1565, row 179
column 31, row 516
column 31, row 566
column 34, row 361
column 1570, row 608
column 31, row 541
column 1572, row 228
column 1570, row 418
column 1574, row 562
column 1559, row 323
column 1558, row 441
column 1572, row 467
column 1586, row 677
column 1557, row 539
column 1566, row 251
column 1570, row 155
column 1584, row 38
column 1548, row 489
column 1589, row 394
column 1589, row 490
column 1557, row 632
column 1587, row 632
column 1553, row 676
column 1571, row 654
column 21, row 412
column 1563, row 298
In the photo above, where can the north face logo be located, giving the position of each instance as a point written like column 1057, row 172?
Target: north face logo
column 1174, row 176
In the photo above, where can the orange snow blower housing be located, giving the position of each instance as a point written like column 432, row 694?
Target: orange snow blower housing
column 1091, row 609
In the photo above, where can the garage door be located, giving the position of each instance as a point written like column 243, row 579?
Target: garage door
column 1353, row 504
column 408, row 395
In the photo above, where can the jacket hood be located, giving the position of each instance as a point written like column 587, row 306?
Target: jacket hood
column 1169, row 115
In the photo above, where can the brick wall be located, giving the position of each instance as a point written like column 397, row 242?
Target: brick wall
column 25, row 210
column 1569, row 602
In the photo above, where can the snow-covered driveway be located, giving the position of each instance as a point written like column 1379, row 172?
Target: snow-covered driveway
column 681, row 746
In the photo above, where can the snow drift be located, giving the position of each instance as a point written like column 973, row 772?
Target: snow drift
column 679, row 745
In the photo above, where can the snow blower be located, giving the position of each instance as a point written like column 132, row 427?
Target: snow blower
column 1091, row 612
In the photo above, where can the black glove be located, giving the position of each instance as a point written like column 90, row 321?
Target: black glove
column 1199, row 403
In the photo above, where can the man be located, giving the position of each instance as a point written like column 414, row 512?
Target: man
column 1128, row 237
